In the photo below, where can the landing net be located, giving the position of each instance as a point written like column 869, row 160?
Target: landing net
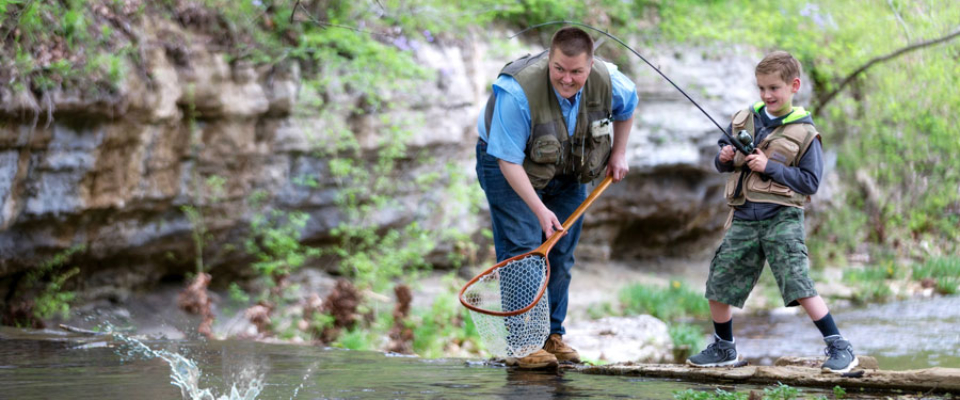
column 499, row 294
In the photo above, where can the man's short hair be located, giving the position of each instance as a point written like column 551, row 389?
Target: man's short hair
column 782, row 63
column 572, row 42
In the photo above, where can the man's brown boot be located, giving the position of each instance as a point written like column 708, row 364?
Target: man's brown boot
column 558, row 348
column 539, row 359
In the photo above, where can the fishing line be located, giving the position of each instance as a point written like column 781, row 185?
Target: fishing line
column 634, row 52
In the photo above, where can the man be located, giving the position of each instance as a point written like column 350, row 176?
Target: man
column 545, row 132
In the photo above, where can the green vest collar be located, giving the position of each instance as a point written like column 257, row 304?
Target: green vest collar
column 795, row 115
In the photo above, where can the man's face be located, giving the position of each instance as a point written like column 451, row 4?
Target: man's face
column 568, row 74
column 777, row 94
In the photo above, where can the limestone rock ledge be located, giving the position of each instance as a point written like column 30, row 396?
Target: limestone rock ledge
column 113, row 172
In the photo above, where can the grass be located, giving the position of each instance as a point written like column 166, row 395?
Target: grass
column 669, row 304
column 688, row 339
column 445, row 322
column 943, row 271
column 775, row 392
column 872, row 283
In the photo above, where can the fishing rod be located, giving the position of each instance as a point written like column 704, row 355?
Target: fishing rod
column 725, row 133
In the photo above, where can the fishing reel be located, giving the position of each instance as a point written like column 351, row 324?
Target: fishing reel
column 745, row 140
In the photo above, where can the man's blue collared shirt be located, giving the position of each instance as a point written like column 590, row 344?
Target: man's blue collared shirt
column 510, row 126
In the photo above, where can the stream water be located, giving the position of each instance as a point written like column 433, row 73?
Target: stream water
column 910, row 334
column 50, row 364
column 54, row 365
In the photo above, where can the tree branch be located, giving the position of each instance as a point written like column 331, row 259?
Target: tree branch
column 823, row 100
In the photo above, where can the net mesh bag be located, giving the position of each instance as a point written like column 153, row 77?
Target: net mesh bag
column 499, row 294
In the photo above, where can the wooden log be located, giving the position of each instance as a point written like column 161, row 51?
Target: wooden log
column 866, row 362
column 930, row 380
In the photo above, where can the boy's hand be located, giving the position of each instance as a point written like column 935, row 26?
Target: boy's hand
column 727, row 153
column 757, row 161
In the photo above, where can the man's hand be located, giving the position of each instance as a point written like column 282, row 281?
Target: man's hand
column 727, row 153
column 617, row 166
column 757, row 161
column 548, row 222
column 518, row 180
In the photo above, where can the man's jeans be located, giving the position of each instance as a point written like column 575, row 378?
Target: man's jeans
column 516, row 229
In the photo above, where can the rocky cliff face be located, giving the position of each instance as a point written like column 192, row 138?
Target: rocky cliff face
column 113, row 173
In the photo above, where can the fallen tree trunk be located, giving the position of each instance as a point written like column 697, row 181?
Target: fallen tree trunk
column 798, row 372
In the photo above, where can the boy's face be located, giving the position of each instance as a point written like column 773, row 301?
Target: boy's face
column 569, row 74
column 777, row 94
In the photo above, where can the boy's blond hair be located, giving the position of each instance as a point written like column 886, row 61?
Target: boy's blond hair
column 782, row 63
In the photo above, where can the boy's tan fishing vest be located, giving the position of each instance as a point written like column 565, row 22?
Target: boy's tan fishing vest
column 786, row 145
column 551, row 151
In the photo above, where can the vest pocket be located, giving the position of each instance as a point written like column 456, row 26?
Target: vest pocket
column 545, row 150
column 595, row 160
column 782, row 150
column 542, row 159
column 540, row 174
column 730, row 189
column 755, row 184
column 782, row 190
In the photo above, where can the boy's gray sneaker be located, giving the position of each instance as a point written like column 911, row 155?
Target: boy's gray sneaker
column 720, row 353
column 840, row 356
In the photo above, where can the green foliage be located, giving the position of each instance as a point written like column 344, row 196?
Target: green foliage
column 600, row 310
column 370, row 185
column 944, row 271
column 355, row 339
column 719, row 394
column 44, row 286
column 57, row 44
column 373, row 260
column 781, row 392
column 207, row 193
column 893, row 128
column 837, row 235
column 53, row 300
column 275, row 243
column 872, row 282
column 237, row 293
column 839, row 392
column 669, row 304
column 686, row 336
column 258, row 27
column 444, row 322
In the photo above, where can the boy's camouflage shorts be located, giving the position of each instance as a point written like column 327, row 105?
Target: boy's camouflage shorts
column 738, row 262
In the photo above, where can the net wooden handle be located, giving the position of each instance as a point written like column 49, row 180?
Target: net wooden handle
column 597, row 191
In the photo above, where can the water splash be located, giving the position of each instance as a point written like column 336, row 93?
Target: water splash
column 303, row 380
column 185, row 374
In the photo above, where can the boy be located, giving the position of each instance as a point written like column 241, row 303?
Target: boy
column 767, row 191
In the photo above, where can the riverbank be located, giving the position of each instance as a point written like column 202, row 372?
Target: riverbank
column 765, row 333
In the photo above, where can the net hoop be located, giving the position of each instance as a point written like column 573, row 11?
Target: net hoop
column 543, row 287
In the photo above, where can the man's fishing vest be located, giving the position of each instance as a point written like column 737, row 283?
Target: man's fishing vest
column 551, row 151
column 786, row 145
